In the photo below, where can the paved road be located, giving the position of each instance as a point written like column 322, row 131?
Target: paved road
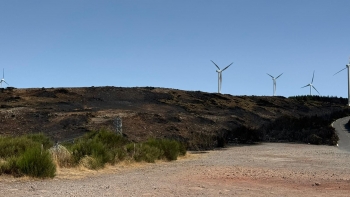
column 343, row 133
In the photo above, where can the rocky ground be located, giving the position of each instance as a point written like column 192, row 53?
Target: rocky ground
column 271, row 169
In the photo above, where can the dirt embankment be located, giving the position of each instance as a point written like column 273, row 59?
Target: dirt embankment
column 259, row 170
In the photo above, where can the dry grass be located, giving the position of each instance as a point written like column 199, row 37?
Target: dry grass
column 82, row 171
column 61, row 156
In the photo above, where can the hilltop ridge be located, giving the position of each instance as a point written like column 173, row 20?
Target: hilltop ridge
column 201, row 120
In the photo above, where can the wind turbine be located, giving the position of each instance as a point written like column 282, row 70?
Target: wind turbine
column 310, row 84
column 3, row 78
column 274, row 82
column 347, row 67
column 219, row 71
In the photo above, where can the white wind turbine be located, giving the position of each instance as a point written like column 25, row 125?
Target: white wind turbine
column 310, row 84
column 274, row 82
column 219, row 71
column 347, row 67
column 3, row 78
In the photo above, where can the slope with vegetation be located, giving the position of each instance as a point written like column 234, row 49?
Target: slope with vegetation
column 200, row 120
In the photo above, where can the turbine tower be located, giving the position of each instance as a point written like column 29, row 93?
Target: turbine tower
column 219, row 71
column 3, row 78
column 274, row 82
column 310, row 84
column 347, row 67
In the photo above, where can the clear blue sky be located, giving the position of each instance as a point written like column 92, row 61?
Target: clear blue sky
column 164, row 43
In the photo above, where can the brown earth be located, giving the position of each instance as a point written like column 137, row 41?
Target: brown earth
column 271, row 169
column 196, row 118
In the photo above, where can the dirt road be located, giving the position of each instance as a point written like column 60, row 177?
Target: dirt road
column 258, row 170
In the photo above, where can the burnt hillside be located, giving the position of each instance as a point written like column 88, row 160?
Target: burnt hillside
column 202, row 120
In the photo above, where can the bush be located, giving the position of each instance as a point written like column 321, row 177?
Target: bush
column 97, row 148
column 15, row 146
column 169, row 149
column 119, row 155
column 41, row 139
column 19, row 156
column 37, row 163
column 10, row 146
column 103, row 146
column 143, row 152
column 92, row 148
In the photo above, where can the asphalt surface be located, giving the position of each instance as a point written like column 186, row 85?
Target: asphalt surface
column 343, row 133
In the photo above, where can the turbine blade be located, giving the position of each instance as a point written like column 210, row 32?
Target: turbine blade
column 313, row 75
column 6, row 83
column 340, row 71
column 3, row 73
column 305, row 86
column 279, row 76
column 315, row 89
column 227, row 66
column 215, row 64
column 270, row 75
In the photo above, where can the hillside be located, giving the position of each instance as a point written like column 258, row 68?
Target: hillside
column 201, row 120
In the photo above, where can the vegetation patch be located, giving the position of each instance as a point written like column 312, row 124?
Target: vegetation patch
column 97, row 148
column 26, row 155
column 34, row 155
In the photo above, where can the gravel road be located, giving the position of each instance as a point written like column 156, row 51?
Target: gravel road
column 269, row 169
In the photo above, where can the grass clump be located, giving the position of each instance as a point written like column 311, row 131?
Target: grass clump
column 26, row 155
column 61, row 155
column 36, row 162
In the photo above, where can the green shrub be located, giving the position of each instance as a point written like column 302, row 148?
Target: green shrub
column 108, row 138
column 40, row 138
column 170, row 149
column 91, row 148
column 104, row 146
column 36, row 162
column 182, row 149
column 119, row 155
column 99, row 147
column 14, row 146
column 143, row 152
column 26, row 155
